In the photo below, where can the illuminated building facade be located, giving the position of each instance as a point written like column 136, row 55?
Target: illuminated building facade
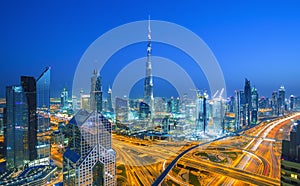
column 89, row 159
column 16, row 133
column 148, row 84
column 43, row 114
column 254, row 106
column 290, row 158
column 64, row 98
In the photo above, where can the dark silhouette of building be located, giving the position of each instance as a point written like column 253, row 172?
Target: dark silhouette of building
column 248, row 102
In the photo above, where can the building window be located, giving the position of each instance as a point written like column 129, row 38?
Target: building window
column 294, row 176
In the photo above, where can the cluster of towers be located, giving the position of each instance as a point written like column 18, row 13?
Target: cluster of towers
column 245, row 106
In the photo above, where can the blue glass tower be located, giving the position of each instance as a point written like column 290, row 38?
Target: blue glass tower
column 43, row 113
column 16, row 133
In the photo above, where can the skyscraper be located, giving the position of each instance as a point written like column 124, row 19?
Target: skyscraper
column 254, row 105
column 281, row 100
column 96, row 92
column 275, row 104
column 17, row 130
column 43, row 114
column 248, row 102
column 109, row 100
column 201, row 121
column 29, row 88
column 148, row 84
column 64, row 98
column 237, row 110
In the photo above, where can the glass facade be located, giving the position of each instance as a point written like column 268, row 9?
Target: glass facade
column 17, row 126
column 89, row 159
column 43, row 114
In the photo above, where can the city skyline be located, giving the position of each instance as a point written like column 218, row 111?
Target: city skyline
column 248, row 41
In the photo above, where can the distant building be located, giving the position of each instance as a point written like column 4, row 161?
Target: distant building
column 148, row 83
column 89, row 158
column 144, row 110
column 274, row 104
column 201, row 121
column 64, row 98
column 121, row 109
column 290, row 158
column 248, row 102
column 96, row 92
column 292, row 102
column 254, row 106
column 109, row 100
column 281, row 100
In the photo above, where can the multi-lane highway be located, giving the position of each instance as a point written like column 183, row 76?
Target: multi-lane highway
column 257, row 161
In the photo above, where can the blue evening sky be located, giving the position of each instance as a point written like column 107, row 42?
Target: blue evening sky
column 257, row 39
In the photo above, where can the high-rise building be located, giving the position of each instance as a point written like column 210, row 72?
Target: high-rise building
column 290, row 158
column 292, row 102
column 248, row 102
column 148, row 83
column 144, row 110
column 177, row 105
column 281, row 100
column 121, row 109
column 237, row 110
column 64, row 97
column 43, row 115
column 16, row 132
column 29, row 88
column 96, row 92
column 201, row 121
column 109, row 100
column 89, row 159
column 274, row 104
column 254, row 106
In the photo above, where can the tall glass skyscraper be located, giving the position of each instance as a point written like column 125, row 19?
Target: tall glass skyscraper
column 29, row 88
column 17, row 127
column 43, row 114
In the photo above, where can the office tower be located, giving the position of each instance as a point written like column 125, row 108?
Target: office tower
column 254, row 106
column 98, row 94
column 292, row 102
column 274, row 104
column 177, row 105
column 109, row 100
column 89, row 159
column 121, row 109
column 64, row 98
column 237, row 110
column 17, row 134
column 248, row 102
column 144, row 110
column 290, row 158
column 160, row 104
column 281, row 100
column 29, row 88
column 148, row 83
column 201, row 121
column 43, row 114
column 171, row 105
